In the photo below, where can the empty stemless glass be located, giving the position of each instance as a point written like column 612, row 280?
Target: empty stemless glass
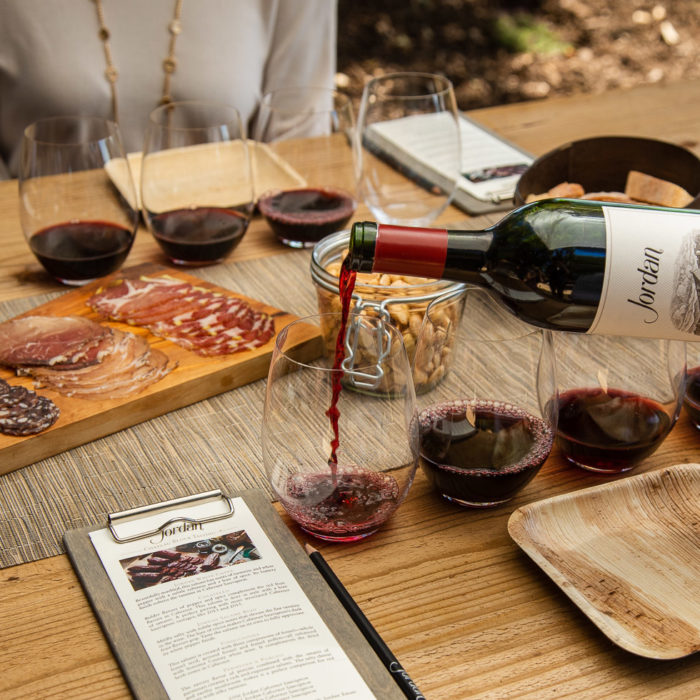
column 77, row 199
column 196, row 181
column 418, row 110
column 619, row 397
column 483, row 387
column 344, row 490
column 309, row 131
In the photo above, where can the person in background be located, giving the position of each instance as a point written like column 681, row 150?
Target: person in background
column 119, row 59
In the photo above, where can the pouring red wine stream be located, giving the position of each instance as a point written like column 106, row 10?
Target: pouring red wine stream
column 346, row 286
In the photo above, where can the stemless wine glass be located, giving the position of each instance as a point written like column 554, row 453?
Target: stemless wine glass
column 483, row 387
column 306, row 134
column 77, row 199
column 408, row 121
column 196, row 181
column 692, row 391
column 342, row 486
column 619, row 397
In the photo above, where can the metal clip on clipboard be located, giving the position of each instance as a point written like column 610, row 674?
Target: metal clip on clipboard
column 115, row 519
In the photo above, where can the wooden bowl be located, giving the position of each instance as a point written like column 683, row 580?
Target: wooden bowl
column 601, row 164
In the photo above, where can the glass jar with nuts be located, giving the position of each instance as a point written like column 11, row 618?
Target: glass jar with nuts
column 401, row 301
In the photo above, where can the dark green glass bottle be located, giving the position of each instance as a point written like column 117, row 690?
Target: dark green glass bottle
column 575, row 265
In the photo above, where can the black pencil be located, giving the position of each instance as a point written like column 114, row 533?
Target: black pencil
column 403, row 680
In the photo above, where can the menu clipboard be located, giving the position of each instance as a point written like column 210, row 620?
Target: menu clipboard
column 115, row 612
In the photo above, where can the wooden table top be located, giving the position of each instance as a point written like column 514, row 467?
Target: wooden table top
column 465, row 611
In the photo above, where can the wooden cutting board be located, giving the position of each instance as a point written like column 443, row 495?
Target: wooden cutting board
column 195, row 377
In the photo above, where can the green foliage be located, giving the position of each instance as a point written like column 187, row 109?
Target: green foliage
column 521, row 32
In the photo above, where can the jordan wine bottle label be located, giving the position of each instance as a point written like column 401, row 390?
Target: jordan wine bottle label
column 652, row 275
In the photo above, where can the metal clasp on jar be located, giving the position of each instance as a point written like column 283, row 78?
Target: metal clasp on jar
column 367, row 377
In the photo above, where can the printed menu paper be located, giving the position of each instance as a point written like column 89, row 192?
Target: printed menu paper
column 423, row 145
column 220, row 614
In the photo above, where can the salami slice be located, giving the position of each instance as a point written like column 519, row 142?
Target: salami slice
column 23, row 412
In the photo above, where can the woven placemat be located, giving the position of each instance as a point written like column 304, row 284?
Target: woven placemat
column 211, row 444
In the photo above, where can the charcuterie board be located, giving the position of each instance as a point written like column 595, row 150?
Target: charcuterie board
column 193, row 378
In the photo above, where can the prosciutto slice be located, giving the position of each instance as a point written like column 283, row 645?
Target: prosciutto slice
column 198, row 319
column 129, row 367
column 51, row 340
column 78, row 357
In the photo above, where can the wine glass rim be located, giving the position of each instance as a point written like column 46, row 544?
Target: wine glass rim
column 154, row 117
column 447, row 86
column 111, row 129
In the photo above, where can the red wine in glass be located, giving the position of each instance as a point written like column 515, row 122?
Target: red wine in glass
column 346, row 503
column 75, row 252
column 344, row 506
column 199, row 235
column 481, row 453
column 692, row 396
column 304, row 216
column 609, row 431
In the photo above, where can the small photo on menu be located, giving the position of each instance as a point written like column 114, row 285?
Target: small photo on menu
column 189, row 559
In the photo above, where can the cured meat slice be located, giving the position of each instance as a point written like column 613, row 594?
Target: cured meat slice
column 129, row 299
column 130, row 365
column 23, row 412
column 50, row 340
column 42, row 414
column 203, row 321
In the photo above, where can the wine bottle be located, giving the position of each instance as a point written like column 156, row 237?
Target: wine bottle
column 574, row 265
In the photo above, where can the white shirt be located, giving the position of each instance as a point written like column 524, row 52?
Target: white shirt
column 52, row 61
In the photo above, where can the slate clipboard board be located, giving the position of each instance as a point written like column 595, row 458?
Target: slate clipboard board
column 130, row 653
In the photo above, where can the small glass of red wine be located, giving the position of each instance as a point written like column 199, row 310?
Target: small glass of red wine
column 307, row 133
column 340, row 455
column 691, row 400
column 484, row 428
column 618, row 398
column 77, row 198
column 196, row 181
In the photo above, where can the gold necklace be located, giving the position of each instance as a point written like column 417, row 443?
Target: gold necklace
column 169, row 63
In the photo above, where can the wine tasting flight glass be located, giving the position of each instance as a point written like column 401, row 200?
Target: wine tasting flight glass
column 303, row 162
column 692, row 392
column 405, row 118
column 345, row 490
column 619, row 397
column 77, row 199
column 196, row 181
column 483, row 386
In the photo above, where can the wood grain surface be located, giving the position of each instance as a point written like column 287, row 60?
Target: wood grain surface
column 627, row 554
column 269, row 170
column 464, row 609
column 193, row 379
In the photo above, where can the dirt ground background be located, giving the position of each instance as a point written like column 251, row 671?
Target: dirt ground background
column 501, row 51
